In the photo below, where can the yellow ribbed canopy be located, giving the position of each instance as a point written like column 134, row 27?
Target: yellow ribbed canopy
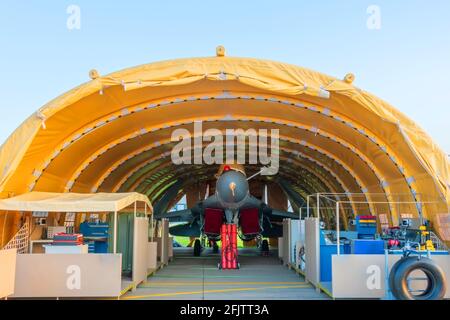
column 112, row 134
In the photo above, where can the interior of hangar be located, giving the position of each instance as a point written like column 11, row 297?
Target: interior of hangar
column 113, row 134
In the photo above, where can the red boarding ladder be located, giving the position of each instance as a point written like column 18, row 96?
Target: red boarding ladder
column 229, row 247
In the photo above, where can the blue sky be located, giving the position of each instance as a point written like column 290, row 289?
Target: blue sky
column 406, row 62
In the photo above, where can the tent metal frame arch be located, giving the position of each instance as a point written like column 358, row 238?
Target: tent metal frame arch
column 309, row 188
column 317, row 176
column 318, row 164
column 133, row 135
column 145, row 163
column 339, row 118
column 319, row 150
column 297, row 154
column 317, row 173
column 301, row 127
column 316, row 179
column 172, row 178
column 155, row 192
column 337, row 139
column 159, row 143
column 174, row 172
column 344, row 167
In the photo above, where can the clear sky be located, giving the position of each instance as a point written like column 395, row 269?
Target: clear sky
column 406, row 62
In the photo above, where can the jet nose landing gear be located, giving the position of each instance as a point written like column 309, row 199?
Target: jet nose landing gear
column 215, row 248
column 265, row 247
column 197, row 248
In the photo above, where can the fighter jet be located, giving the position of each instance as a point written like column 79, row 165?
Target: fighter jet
column 231, row 203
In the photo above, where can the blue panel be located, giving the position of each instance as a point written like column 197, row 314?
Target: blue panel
column 347, row 248
column 326, row 253
column 366, row 226
column 101, row 247
column 96, row 235
column 94, row 229
column 361, row 246
column 91, row 247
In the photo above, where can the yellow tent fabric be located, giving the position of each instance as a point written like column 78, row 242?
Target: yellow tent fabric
column 112, row 134
column 73, row 202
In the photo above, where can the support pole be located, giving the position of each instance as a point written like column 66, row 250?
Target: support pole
column 115, row 233
column 307, row 206
column 299, row 220
column 152, row 226
column 338, row 229
column 318, row 206
column 387, row 290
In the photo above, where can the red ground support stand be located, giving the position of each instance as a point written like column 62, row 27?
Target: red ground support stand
column 229, row 247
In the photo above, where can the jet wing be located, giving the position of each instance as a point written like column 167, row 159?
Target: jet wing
column 283, row 214
column 177, row 216
column 185, row 230
column 272, row 231
column 212, row 202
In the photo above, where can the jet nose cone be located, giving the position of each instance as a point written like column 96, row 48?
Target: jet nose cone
column 232, row 188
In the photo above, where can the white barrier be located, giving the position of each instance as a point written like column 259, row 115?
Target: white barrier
column 163, row 242
column 312, row 251
column 140, row 250
column 364, row 276
column 294, row 238
column 170, row 249
column 280, row 248
column 68, row 275
column 152, row 255
column 7, row 272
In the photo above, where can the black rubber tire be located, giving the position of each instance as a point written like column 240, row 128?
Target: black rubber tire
column 436, row 279
column 197, row 248
column 215, row 248
column 393, row 271
column 265, row 246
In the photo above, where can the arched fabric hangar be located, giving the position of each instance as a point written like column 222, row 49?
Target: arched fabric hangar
column 113, row 133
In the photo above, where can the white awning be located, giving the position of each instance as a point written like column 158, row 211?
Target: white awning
column 73, row 202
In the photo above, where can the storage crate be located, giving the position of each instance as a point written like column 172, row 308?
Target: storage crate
column 51, row 231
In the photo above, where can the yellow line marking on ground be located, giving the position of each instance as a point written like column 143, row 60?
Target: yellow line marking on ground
column 324, row 290
column 211, row 291
column 152, row 283
column 126, row 289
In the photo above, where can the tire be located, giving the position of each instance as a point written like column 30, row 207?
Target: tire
column 393, row 271
column 197, row 248
column 436, row 287
column 215, row 248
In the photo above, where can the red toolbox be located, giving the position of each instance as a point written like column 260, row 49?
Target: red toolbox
column 66, row 239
